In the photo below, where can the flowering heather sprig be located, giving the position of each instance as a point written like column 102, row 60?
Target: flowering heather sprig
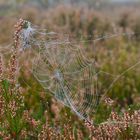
column 45, row 133
column 116, row 126
column 79, row 135
column 13, row 68
column 109, row 101
column 1, row 68
column 89, row 126
column 31, row 121
column 13, row 65
column 1, row 96
column 51, row 133
column 19, row 26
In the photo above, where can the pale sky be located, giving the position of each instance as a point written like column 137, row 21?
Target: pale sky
column 124, row 0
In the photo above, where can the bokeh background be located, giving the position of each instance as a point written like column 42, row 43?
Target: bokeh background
column 91, row 19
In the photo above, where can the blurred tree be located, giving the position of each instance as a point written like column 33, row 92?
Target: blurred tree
column 14, row 3
column 95, row 3
column 124, row 21
column 136, row 29
column 20, row 1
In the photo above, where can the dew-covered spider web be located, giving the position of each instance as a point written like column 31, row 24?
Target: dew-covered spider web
column 69, row 70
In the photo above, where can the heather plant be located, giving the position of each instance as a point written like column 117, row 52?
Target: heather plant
column 12, row 103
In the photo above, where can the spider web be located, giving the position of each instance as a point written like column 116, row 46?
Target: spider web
column 66, row 70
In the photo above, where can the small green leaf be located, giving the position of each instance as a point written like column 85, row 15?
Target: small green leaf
column 5, row 84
